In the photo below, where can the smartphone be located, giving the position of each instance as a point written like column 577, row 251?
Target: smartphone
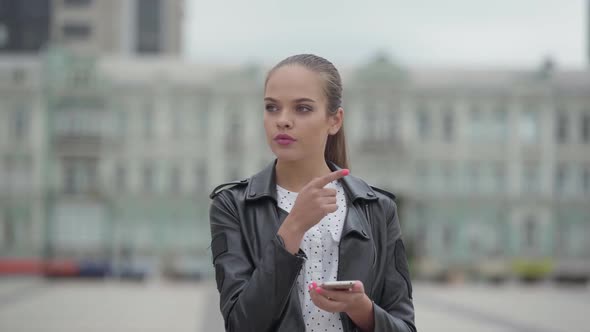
column 338, row 285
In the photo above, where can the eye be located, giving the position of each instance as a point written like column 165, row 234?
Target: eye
column 271, row 108
column 304, row 108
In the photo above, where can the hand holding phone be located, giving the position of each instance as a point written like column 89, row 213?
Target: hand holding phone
column 338, row 285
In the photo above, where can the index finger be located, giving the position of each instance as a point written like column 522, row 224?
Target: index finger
column 322, row 181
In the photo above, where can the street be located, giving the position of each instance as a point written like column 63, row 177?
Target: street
column 64, row 306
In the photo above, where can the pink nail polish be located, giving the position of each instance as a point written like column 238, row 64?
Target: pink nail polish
column 345, row 172
column 318, row 290
column 314, row 285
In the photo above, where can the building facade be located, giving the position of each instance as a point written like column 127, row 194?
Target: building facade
column 107, row 155
column 91, row 27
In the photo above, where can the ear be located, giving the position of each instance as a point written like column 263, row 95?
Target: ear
column 336, row 121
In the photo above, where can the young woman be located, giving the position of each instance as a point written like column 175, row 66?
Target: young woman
column 303, row 220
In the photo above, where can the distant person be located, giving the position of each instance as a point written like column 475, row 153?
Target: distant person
column 279, row 235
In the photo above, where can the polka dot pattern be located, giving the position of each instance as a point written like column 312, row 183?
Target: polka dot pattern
column 320, row 244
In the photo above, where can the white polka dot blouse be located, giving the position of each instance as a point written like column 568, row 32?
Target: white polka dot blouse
column 320, row 245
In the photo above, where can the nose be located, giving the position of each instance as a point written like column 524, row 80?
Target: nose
column 284, row 120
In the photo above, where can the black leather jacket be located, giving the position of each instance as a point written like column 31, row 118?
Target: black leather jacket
column 256, row 275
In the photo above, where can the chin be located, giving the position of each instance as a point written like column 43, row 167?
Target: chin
column 284, row 155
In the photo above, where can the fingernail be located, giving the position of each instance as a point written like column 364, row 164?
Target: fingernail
column 318, row 290
column 314, row 285
column 345, row 172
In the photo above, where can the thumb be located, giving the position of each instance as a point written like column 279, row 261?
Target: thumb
column 358, row 287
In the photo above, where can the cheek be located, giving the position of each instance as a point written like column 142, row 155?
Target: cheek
column 267, row 125
column 314, row 127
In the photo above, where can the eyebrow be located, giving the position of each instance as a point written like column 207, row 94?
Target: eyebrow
column 298, row 100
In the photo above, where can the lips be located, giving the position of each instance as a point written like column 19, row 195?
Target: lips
column 284, row 139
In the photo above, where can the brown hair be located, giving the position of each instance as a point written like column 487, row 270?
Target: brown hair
column 336, row 145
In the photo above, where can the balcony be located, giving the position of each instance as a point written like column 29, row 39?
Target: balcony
column 82, row 132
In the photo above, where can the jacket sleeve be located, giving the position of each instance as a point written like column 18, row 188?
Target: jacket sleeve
column 253, row 292
column 396, row 312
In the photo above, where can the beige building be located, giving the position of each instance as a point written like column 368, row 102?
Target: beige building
column 116, row 154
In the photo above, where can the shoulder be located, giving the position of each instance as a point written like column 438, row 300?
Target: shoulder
column 386, row 201
column 384, row 193
column 231, row 186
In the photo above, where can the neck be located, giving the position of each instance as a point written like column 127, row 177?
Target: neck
column 294, row 175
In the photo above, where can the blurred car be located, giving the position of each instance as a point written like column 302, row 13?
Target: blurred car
column 496, row 270
column 136, row 269
column 532, row 269
column 572, row 271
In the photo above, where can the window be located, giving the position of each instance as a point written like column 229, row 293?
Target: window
column 422, row 175
column 79, row 175
column 423, row 121
column 500, row 124
column 8, row 232
column 561, row 127
column 148, row 121
column 148, row 177
column 176, row 122
column 476, row 124
column 77, row 3
column 20, row 123
column 70, row 186
column 474, row 176
column 448, row 176
column 80, row 76
column 381, row 122
column 4, row 174
column 76, row 31
column 499, row 175
column 201, row 178
column 447, row 237
column 529, row 126
column 200, row 107
column 391, row 125
column 175, row 179
column 234, row 135
column 3, row 35
column 122, row 123
column 148, row 26
column 530, row 233
column 17, row 175
column 448, row 125
column 530, row 177
column 436, row 177
column 83, row 122
column 585, row 127
column 561, row 175
column 120, row 178
column 586, row 180
column 370, row 120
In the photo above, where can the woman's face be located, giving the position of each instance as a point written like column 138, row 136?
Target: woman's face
column 296, row 120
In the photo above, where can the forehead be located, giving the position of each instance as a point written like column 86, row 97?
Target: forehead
column 294, row 81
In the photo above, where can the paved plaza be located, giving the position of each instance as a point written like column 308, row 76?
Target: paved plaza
column 36, row 305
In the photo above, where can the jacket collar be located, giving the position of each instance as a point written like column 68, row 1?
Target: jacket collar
column 263, row 184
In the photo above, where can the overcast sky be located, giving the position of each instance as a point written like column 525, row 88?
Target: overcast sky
column 474, row 33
